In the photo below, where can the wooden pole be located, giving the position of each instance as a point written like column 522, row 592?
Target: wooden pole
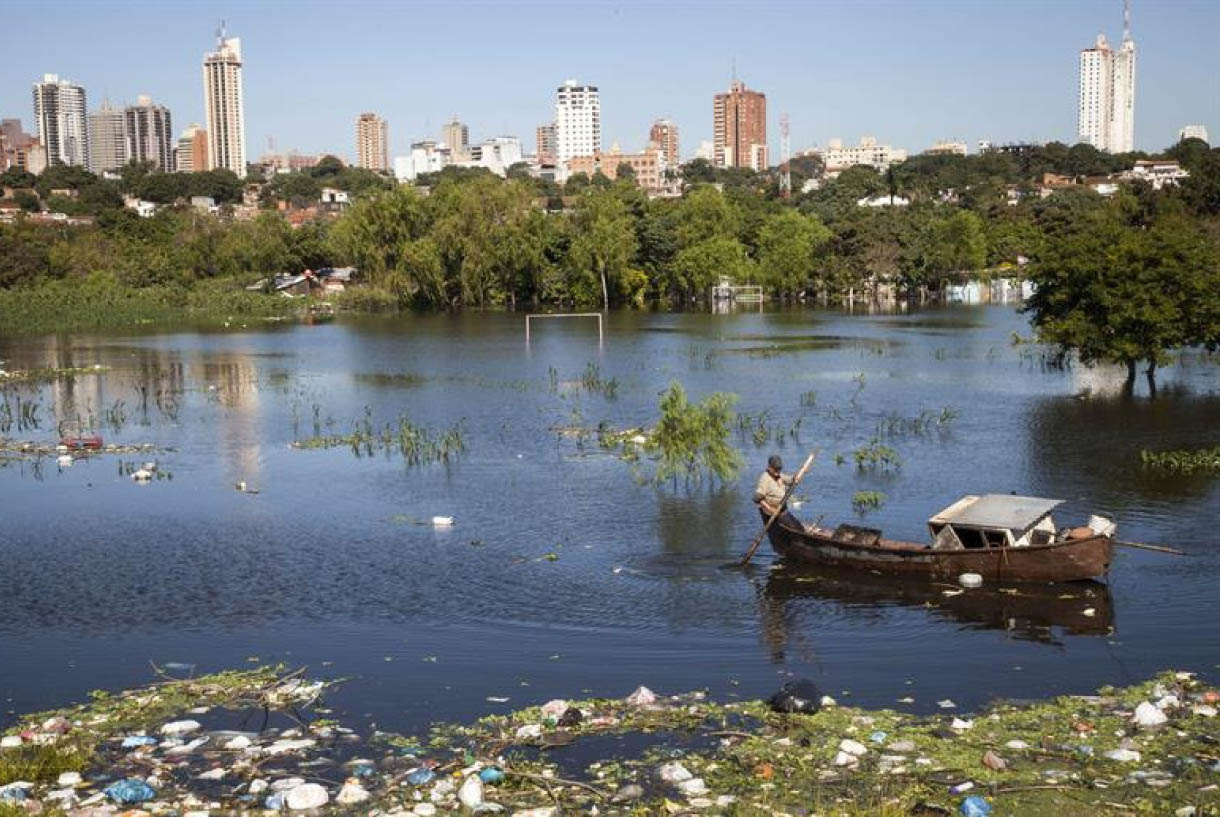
column 1156, row 548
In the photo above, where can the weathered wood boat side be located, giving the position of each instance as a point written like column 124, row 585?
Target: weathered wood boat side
column 1068, row 560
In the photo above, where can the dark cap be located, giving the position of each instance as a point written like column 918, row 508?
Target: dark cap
column 775, row 462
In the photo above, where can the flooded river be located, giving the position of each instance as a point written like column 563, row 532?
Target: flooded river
column 562, row 575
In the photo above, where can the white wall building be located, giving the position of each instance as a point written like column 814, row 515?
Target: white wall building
column 1158, row 172
column 578, row 121
column 59, row 108
column 1106, row 100
column 1193, row 132
column 838, row 157
column 222, row 101
column 425, row 157
column 107, row 139
column 948, row 147
column 497, row 154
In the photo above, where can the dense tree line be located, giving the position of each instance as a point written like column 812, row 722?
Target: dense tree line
column 464, row 237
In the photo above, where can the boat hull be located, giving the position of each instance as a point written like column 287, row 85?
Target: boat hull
column 1071, row 560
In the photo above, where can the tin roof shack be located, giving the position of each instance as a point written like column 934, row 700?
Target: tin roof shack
column 994, row 521
column 336, row 279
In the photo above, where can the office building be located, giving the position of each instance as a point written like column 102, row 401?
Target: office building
column 497, row 154
column 63, row 130
column 1106, row 99
column 648, row 166
column 372, row 142
column 192, row 153
column 223, row 105
column 578, row 121
column 107, row 139
column 425, row 157
column 739, row 120
column 456, row 137
column 150, row 134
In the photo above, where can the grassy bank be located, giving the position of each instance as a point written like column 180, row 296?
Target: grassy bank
column 641, row 755
column 102, row 303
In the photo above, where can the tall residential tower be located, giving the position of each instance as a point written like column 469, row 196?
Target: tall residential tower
column 664, row 136
column 372, row 142
column 578, row 121
column 222, row 102
column 740, row 128
column 107, row 139
column 59, row 109
column 150, row 136
column 1106, row 102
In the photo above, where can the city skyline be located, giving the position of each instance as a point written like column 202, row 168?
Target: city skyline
column 831, row 93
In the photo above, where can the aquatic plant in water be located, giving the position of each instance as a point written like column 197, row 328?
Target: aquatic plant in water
column 417, row 445
column 876, row 456
column 1183, row 461
column 864, row 501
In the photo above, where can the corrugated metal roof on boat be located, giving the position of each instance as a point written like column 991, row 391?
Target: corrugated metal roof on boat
column 998, row 511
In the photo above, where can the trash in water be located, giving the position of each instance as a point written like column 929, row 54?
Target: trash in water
column 975, row 806
column 970, row 580
column 442, row 521
column 491, row 774
column 130, row 790
column 797, row 696
column 643, row 696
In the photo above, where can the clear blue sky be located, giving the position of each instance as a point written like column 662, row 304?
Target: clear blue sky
column 909, row 72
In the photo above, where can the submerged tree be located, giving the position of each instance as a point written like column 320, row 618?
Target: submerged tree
column 1110, row 291
column 692, row 439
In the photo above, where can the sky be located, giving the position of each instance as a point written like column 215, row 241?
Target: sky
column 909, row 72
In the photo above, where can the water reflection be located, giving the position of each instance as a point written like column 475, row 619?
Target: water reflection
column 1035, row 613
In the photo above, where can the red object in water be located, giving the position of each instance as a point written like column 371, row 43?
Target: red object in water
column 78, row 443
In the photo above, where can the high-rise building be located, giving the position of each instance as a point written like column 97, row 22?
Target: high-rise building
column 1193, row 132
column 14, row 133
column 372, row 142
column 578, row 121
column 107, row 139
column 664, row 136
column 547, row 148
column 1106, row 102
column 192, row 153
column 63, row 130
column 740, row 128
column 150, row 134
column 222, row 101
column 456, row 136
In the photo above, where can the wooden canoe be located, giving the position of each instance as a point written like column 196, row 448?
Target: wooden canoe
column 1058, row 561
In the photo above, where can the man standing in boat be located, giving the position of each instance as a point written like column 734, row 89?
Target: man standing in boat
column 769, row 493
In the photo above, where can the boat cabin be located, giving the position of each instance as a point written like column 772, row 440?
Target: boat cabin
column 994, row 521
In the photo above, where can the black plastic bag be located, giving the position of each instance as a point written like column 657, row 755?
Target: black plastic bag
column 797, row 696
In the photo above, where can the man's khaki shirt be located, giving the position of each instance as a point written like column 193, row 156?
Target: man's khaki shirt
column 771, row 490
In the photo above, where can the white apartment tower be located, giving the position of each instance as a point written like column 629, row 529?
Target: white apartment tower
column 59, row 107
column 578, row 121
column 1106, row 112
column 107, row 139
column 372, row 142
column 150, row 135
column 222, row 101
